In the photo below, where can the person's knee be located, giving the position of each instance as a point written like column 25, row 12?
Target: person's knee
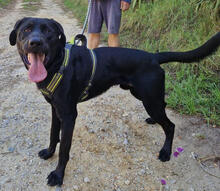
column 113, row 40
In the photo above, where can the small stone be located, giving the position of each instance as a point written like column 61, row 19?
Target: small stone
column 167, row 187
column 125, row 115
column 125, row 142
column 127, row 182
column 58, row 188
column 11, row 149
column 75, row 187
column 172, row 181
column 5, row 180
column 91, row 131
column 86, row 180
column 142, row 172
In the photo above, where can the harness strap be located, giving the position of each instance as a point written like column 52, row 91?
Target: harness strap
column 51, row 87
column 85, row 93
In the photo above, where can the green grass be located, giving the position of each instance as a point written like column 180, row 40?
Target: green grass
column 176, row 25
column 78, row 7
column 4, row 3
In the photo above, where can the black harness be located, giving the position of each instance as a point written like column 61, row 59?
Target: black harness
column 54, row 83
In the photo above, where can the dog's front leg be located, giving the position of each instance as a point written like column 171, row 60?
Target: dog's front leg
column 67, row 126
column 54, row 137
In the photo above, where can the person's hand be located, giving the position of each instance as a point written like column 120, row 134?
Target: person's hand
column 124, row 5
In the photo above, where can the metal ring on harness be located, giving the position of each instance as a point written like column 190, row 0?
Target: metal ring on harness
column 80, row 38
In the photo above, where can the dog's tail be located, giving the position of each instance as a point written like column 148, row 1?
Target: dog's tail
column 191, row 56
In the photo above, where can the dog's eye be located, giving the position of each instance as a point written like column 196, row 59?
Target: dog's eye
column 27, row 29
column 46, row 30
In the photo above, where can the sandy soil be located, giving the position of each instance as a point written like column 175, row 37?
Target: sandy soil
column 113, row 149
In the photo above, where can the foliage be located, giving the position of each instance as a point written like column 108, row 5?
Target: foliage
column 4, row 3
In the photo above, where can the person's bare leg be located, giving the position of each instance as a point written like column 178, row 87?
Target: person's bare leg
column 93, row 40
column 113, row 40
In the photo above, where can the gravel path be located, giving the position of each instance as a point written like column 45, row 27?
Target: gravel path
column 112, row 149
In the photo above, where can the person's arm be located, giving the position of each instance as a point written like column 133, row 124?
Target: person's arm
column 125, row 4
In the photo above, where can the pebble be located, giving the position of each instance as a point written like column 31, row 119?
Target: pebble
column 125, row 115
column 5, row 180
column 11, row 149
column 125, row 142
column 58, row 189
column 127, row 182
column 142, row 172
column 86, row 180
column 75, row 187
column 172, row 181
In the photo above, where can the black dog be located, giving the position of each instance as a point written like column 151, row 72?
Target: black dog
column 41, row 43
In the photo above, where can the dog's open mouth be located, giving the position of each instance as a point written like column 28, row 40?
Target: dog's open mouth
column 36, row 69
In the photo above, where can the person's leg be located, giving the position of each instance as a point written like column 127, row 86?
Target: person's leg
column 113, row 40
column 93, row 40
column 112, row 17
column 95, row 24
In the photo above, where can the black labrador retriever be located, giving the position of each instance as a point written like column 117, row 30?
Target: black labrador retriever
column 41, row 42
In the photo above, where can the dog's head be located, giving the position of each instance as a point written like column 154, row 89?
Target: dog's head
column 38, row 42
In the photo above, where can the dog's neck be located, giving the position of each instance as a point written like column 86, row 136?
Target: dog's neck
column 53, row 67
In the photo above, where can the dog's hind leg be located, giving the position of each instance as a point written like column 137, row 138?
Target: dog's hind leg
column 135, row 94
column 54, row 137
column 157, row 112
column 151, row 90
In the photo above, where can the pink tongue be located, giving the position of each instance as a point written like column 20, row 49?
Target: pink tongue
column 37, row 71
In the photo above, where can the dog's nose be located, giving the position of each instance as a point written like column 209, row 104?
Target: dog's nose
column 35, row 42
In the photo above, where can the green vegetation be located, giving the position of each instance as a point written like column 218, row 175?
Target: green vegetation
column 31, row 5
column 4, row 3
column 175, row 25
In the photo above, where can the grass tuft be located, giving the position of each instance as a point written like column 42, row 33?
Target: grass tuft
column 4, row 3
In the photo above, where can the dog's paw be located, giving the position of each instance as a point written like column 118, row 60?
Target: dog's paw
column 55, row 178
column 164, row 155
column 45, row 154
column 150, row 121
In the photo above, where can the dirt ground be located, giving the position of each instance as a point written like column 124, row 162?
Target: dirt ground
column 113, row 149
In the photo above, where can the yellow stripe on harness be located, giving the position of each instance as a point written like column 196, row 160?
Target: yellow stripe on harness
column 51, row 87
column 49, row 90
column 85, row 93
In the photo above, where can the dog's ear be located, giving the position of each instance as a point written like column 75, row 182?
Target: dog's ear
column 13, row 34
column 60, row 31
